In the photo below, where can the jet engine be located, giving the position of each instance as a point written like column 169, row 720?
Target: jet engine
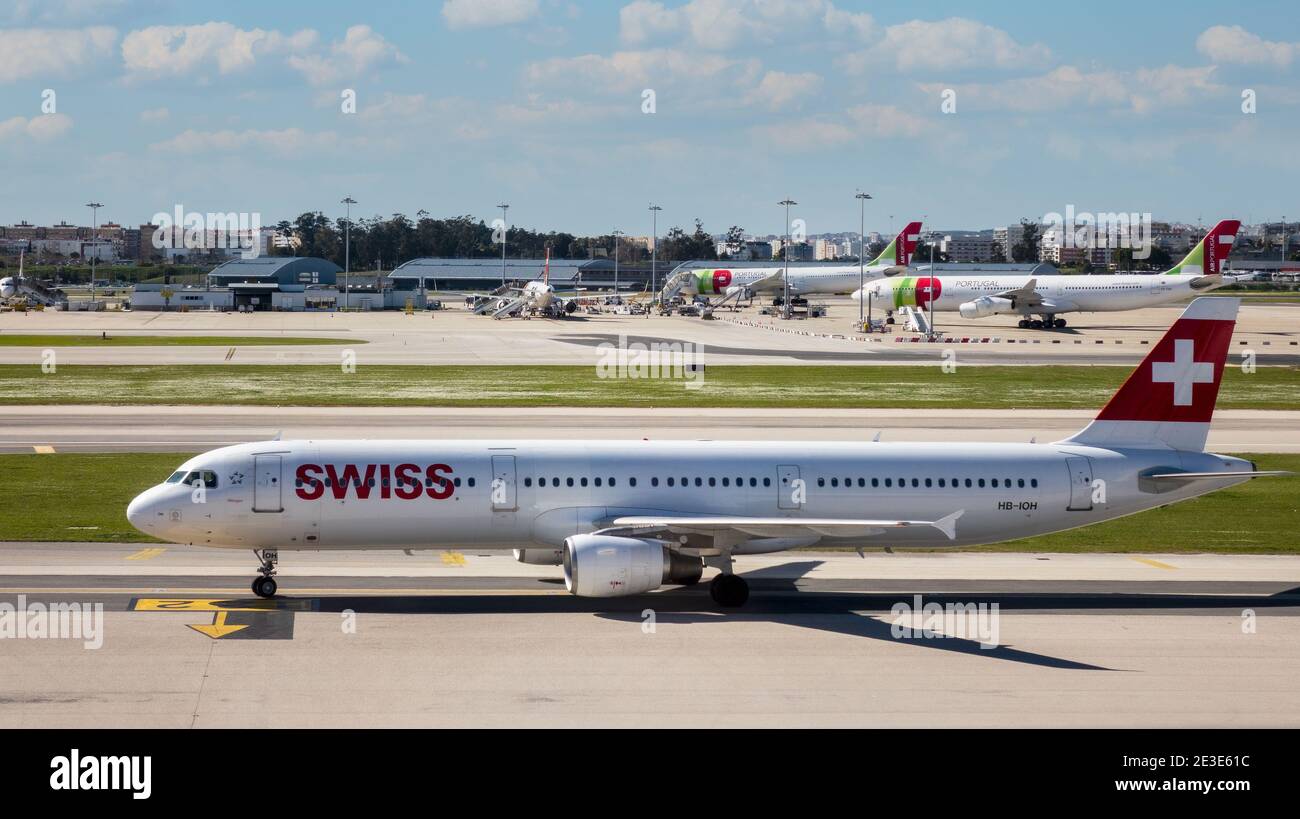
column 985, row 306
column 540, row 557
column 570, row 306
column 609, row 566
column 7, row 287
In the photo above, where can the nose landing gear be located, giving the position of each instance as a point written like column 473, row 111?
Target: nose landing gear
column 265, row 585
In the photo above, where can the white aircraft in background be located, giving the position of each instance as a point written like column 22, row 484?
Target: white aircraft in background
column 625, row 517
column 9, row 284
column 829, row 280
column 975, row 296
column 536, row 298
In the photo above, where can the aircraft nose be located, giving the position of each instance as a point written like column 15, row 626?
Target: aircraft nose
column 139, row 514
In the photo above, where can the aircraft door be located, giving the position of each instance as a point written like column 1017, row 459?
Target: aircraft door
column 1080, row 483
column 503, row 484
column 790, row 491
column 267, row 484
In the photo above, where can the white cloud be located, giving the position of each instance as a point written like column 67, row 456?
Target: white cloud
column 947, row 45
column 860, row 122
column 40, row 128
column 645, row 20
column 718, row 24
column 155, row 114
column 860, row 25
column 1068, row 86
column 626, row 71
column 48, row 52
column 284, row 141
column 360, row 50
column 182, row 49
column 484, row 13
column 1234, row 44
column 777, row 89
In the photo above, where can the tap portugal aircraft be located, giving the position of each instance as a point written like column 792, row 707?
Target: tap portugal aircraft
column 1026, row 296
column 625, row 517
column 829, row 280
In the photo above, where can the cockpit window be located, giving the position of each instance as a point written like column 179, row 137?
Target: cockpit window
column 205, row 476
column 176, row 477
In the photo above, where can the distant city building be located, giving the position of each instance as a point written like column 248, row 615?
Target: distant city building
column 970, row 248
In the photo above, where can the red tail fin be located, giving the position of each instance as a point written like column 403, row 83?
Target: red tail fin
column 905, row 244
column 1169, row 399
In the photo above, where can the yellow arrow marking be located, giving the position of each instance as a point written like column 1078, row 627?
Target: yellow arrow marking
column 200, row 604
column 452, row 558
column 41, row 449
column 145, row 554
column 1154, row 563
column 218, row 629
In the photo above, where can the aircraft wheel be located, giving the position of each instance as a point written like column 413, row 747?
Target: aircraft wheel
column 1059, row 323
column 1023, row 324
column 264, row 587
column 729, row 590
column 1036, row 324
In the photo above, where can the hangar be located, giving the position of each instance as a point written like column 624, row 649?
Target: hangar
column 262, row 283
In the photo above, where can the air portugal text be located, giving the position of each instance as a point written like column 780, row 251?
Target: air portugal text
column 403, row 481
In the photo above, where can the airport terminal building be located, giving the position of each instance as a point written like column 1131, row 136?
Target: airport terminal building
column 263, row 283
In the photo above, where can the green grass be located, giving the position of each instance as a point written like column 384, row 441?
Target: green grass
column 54, row 340
column 571, row 386
column 84, row 497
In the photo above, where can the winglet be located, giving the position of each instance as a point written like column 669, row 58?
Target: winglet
column 948, row 524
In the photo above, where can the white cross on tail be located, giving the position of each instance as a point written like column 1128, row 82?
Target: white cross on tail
column 1183, row 372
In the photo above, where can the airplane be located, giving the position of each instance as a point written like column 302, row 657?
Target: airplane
column 9, row 284
column 980, row 296
column 534, row 298
column 627, row 517
column 828, row 280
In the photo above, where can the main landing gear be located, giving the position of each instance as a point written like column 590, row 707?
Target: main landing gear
column 729, row 590
column 264, row 585
column 1048, row 322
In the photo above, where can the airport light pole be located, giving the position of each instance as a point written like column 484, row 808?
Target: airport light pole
column 347, row 248
column 654, row 246
column 862, row 256
column 505, row 228
column 785, row 270
column 617, row 233
column 94, row 244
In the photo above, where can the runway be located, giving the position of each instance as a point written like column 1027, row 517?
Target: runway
column 447, row 639
column 183, row 429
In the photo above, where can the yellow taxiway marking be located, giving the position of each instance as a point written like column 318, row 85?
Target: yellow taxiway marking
column 1154, row 563
column 218, row 629
column 145, row 554
column 198, row 604
column 42, row 449
column 452, row 558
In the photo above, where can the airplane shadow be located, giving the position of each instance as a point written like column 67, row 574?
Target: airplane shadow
column 777, row 597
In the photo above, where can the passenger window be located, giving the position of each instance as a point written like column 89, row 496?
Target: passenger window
column 1021, row 483
column 767, row 481
column 821, row 481
column 471, row 481
column 1033, row 482
column 653, row 481
column 726, row 481
column 569, row 481
column 981, row 483
column 670, row 482
column 699, row 482
column 528, row 481
column 583, row 481
column 713, row 482
column 555, row 482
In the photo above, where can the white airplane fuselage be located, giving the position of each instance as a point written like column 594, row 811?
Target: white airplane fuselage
column 309, row 495
column 803, row 281
column 979, row 295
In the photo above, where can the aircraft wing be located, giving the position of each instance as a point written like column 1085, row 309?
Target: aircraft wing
column 1025, row 296
column 745, row 528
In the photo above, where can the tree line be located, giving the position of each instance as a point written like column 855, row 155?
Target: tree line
column 383, row 243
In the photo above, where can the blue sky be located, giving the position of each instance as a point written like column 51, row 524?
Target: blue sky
column 236, row 106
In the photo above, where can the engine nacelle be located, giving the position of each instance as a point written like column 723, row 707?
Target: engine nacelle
column 570, row 307
column 986, row 306
column 540, row 557
column 610, row 566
